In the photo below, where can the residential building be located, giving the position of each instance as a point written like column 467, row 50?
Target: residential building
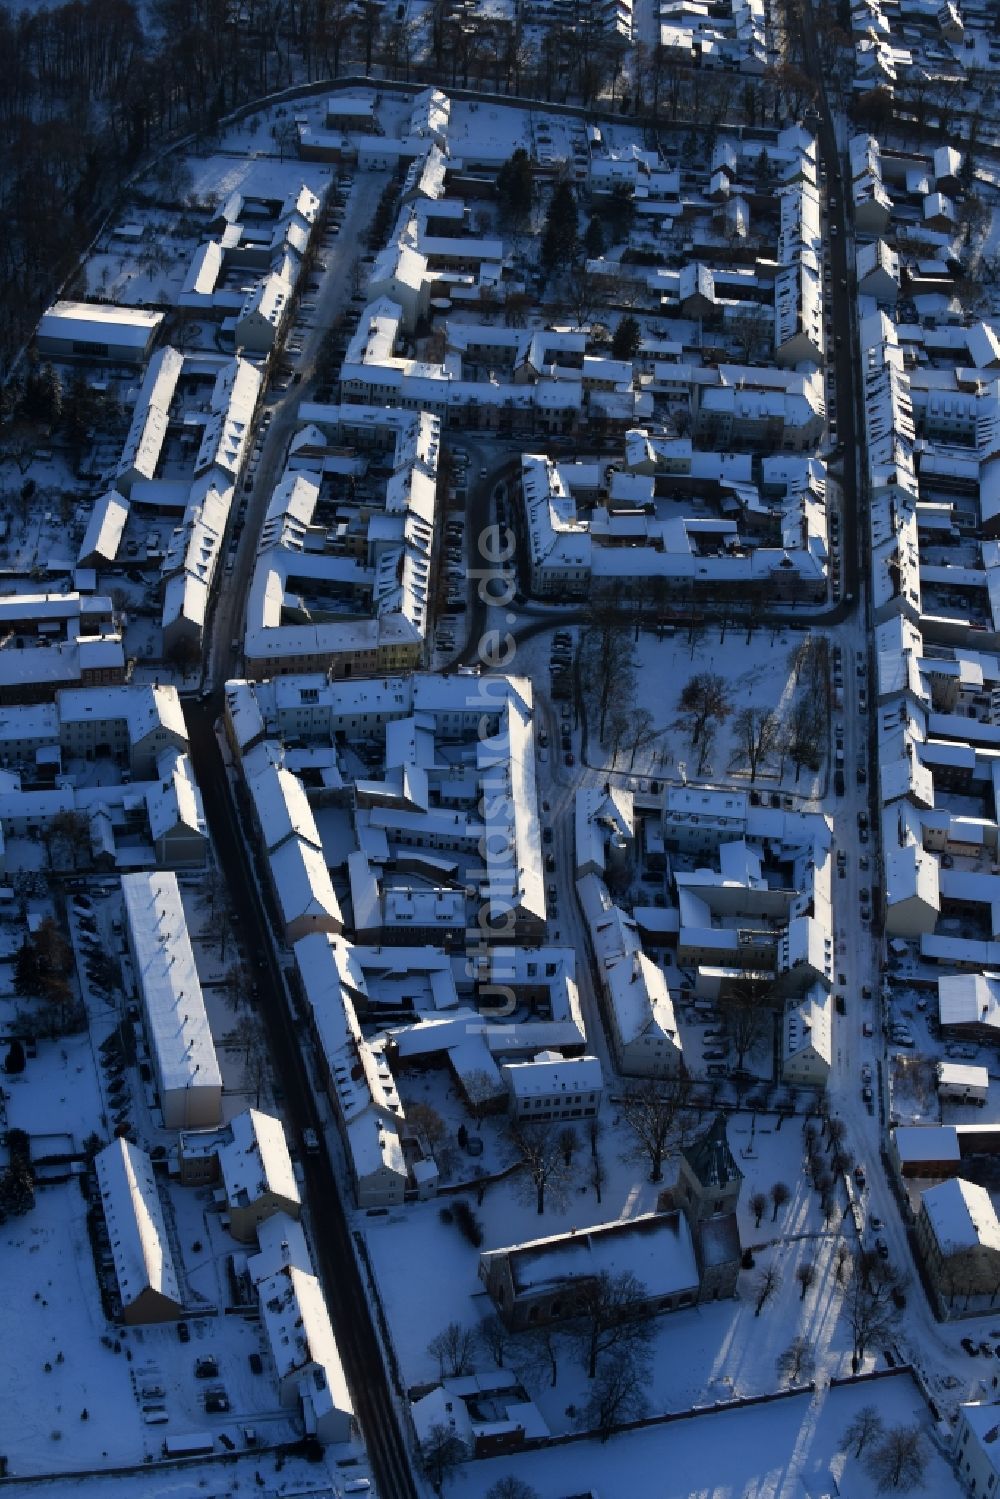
column 188, row 1080
column 148, row 1287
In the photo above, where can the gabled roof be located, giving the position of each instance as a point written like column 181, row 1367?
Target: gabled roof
column 134, row 1218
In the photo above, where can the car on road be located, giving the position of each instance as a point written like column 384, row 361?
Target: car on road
column 714, row 1053
column 569, row 758
column 881, row 1249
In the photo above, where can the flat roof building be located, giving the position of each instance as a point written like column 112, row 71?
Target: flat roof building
column 97, row 330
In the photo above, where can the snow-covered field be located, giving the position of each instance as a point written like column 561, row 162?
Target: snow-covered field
column 783, row 1450
column 57, row 1093
column 54, row 1311
column 756, row 673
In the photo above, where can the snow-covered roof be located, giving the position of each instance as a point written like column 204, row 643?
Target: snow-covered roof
column 131, row 1203
column 174, row 799
column 282, row 807
column 299, row 1332
column 255, row 1162
column 962, row 1075
column 168, row 979
column 281, row 1241
column 961, row 1217
column 547, row 1076
column 302, row 883
column 144, row 708
column 103, row 535
column 656, row 1248
column 969, row 999
column 100, row 323
column 920, row 1142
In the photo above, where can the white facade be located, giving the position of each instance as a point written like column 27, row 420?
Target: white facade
column 554, row 1087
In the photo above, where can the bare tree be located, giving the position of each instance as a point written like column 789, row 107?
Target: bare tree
column 802, row 734
column 766, row 1285
column 452, row 1347
column 493, row 1337
column 871, row 1309
column 545, row 1168
column 537, row 1350
column 805, row 1274
column 704, row 700
column 426, row 1123
column 618, row 1394
column 510, row 1487
column 758, row 1205
column 480, row 1090
column 248, row 1037
column 780, row 1194
column 841, row 1262
column 598, row 1175
column 797, row 1363
column 614, row 1315
column 654, row 1113
column 899, row 1459
column 441, row 1452
column 567, row 1140
column 746, row 1006
column 606, row 654
column 756, row 731
column 750, row 329
column 865, row 1427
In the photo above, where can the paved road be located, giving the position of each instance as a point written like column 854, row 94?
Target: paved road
column 345, row 1292
column 356, row 1338
column 335, row 291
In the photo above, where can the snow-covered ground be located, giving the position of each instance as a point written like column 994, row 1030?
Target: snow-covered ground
column 55, row 1319
column 213, row 178
column 757, row 673
column 427, row 1273
column 783, row 1450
